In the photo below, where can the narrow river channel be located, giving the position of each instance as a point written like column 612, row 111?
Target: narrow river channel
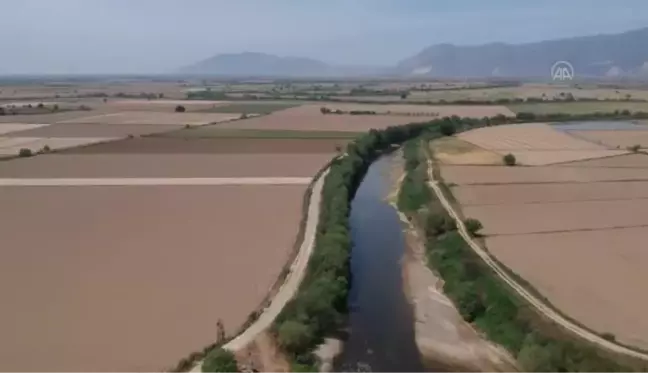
column 381, row 325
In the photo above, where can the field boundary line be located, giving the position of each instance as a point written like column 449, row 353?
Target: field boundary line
column 534, row 301
column 296, row 274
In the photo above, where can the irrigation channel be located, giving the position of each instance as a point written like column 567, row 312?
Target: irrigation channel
column 381, row 321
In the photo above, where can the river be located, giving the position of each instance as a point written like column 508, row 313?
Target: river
column 381, row 332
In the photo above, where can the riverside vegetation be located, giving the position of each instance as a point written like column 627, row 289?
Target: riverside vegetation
column 482, row 298
column 320, row 305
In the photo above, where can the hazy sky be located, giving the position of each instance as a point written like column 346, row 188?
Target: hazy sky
column 140, row 36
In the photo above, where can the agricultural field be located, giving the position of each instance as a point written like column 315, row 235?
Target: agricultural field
column 536, row 144
column 252, row 107
column 543, row 221
column 578, row 107
column 144, row 272
column 119, row 216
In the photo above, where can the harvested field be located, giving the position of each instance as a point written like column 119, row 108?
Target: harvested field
column 452, row 150
column 469, row 195
column 164, row 165
column 604, row 293
column 309, row 118
column 560, row 216
column 568, row 173
column 252, row 107
column 95, row 130
column 544, row 157
column 12, row 145
column 167, row 145
column 6, row 128
column 217, row 131
column 614, row 139
column 578, row 107
column 475, row 111
column 145, row 117
column 47, row 118
column 113, row 270
column 639, row 160
column 531, row 136
column 160, row 105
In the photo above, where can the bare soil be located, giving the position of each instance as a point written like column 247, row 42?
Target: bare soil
column 151, row 117
column 452, row 150
column 7, row 128
column 538, row 193
column 475, row 111
column 113, row 269
column 95, row 130
column 560, row 216
column 531, row 136
column 310, row 118
column 621, row 139
column 540, row 174
column 164, row 165
column 167, row 145
column 604, row 293
column 12, row 145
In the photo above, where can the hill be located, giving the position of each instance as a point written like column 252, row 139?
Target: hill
column 258, row 64
column 598, row 55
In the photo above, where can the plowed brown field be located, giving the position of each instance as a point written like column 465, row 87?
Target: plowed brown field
column 164, row 165
column 309, row 118
column 537, row 193
column 595, row 277
column 146, row 117
column 134, row 278
column 215, row 145
column 615, row 139
column 539, row 174
column 562, row 216
column 95, row 130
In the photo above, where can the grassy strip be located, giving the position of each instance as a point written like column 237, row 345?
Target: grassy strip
column 495, row 309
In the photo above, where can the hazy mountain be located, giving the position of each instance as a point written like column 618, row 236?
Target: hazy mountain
column 599, row 55
column 259, row 64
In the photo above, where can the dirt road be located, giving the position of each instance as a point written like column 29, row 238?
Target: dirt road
column 294, row 278
column 534, row 301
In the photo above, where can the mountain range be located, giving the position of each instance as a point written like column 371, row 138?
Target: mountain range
column 624, row 54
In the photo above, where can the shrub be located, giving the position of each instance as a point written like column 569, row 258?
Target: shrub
column 447, row 128
column 220, row 360
column 293, row 335
column 40, row 105
column 325, row 110
column 608, row 336
column 473, row 226
column 180, row 109
column 243, row 116
column 634, row 148
column 46, row 149
column 25, row 152
column 2, row 111
column 130, row 136
column 509, row 160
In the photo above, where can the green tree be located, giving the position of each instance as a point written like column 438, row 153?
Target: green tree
column 509, row 159
column 447, row 128
column 220, row 360
column 180, row 109
column 294, row 335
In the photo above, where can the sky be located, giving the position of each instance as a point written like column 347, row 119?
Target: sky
column 159, row 36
